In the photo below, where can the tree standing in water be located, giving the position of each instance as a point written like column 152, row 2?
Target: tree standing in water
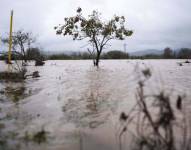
column 97, row 32
column 21, row 42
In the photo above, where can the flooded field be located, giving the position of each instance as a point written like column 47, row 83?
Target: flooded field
column 75, row 106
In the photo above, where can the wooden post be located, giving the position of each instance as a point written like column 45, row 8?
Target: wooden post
column 10, row 37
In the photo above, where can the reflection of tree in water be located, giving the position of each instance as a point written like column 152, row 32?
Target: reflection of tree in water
column 13, row 119
column 12, row 122
column 15, row 92
column 94, row 106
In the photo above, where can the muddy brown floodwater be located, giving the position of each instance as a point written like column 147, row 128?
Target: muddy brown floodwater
column 74, row 106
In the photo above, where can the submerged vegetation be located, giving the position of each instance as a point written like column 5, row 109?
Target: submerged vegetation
column 37, row 137
column 158, row 124
column 22, row 53
column 12, row 76
column 18, row 75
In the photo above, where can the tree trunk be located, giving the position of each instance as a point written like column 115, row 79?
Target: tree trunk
column 96, row 61
column 23, row 52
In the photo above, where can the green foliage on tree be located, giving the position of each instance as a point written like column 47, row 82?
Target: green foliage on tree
column 96, row 31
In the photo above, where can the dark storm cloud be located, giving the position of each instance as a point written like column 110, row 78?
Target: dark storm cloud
column 156, row 24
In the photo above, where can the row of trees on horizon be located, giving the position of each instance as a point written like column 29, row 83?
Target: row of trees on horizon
column 168, row 53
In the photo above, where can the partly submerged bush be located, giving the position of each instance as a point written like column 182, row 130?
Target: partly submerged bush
column 187, row 62
column 37, row 137
column 159, row 124
column 17, row 75
column 39, row 63
column 12, row 76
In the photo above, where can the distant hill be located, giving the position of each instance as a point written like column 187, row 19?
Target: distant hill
column 146, row 52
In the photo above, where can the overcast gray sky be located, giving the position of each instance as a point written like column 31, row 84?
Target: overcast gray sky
column 156, row 23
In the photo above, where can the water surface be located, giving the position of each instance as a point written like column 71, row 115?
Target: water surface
column 78, row 105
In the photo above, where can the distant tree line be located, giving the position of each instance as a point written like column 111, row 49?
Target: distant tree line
column 183, row 53
column 115, row 54
column 168, row 53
